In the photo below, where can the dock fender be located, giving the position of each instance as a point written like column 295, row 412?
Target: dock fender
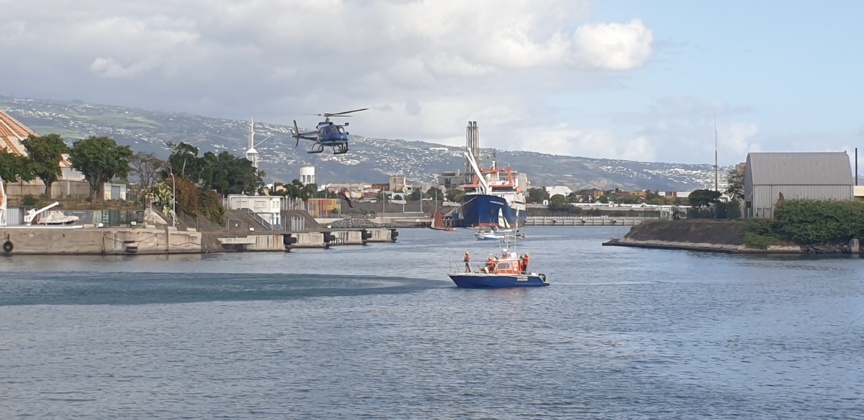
column 8, row 247
column 328, row 237
column 366, row 234
column 288, row 239
column 393, row 235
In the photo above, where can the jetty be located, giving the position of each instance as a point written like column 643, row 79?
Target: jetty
column 150, row 233
column 585, row 221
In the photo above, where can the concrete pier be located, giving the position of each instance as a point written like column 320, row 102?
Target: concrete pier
column 98, row 241
column 584, row 221
column 90, row 240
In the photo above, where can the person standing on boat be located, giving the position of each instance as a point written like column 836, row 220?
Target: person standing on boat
column 467, row 260
column 525, row 263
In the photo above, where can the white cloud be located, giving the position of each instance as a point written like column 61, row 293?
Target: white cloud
column 424, row 68
column 613, row 46
column 735, row 139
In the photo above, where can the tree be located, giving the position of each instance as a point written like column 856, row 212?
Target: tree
column 44, row 154
column 454, row 195
column 703, row 198
column 415, row 195
column 184, row 162
column 735, row 179
column 558, row 201
column 434, row 193
column 145, row 167
column 296, row 189
column 14, row 167
column 100, row 159
column 537, row 195
column 228, row 174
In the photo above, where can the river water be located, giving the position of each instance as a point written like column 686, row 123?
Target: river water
column 380, row 332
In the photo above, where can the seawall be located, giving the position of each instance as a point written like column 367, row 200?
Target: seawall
column 694, row 235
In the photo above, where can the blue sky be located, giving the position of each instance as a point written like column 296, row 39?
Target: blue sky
column 634, row 80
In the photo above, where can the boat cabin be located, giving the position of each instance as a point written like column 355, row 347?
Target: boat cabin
column 510, row 263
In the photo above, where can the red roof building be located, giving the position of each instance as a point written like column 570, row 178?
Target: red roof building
column 11, row 134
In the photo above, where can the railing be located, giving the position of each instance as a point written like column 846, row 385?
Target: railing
column 260, row 220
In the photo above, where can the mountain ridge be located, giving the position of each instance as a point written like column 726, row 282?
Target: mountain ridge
column 370, row 160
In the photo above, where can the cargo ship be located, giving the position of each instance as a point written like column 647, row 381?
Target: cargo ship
column 493, row 199
column 493, row 195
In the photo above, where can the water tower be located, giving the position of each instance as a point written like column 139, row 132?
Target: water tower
column 307, row 175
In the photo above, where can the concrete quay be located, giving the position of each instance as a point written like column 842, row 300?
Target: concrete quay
column 148, row 240
column 585, row 221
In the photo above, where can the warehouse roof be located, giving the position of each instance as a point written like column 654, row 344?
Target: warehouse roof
column 802, row 168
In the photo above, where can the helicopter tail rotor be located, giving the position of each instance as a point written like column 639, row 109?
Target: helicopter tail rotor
column 296, row 134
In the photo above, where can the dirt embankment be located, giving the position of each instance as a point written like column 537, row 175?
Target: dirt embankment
column 691, row 231
column 700, row 235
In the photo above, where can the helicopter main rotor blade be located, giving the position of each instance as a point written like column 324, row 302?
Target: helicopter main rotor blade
column 342, row 114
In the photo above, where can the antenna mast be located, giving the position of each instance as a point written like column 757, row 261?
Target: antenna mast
column 716, row 168
column 251, row 153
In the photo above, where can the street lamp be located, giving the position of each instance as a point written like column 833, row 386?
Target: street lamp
column 173, row 200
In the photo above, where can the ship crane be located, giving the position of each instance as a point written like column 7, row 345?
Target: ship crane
column 482, row 185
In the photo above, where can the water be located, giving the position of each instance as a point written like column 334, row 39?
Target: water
column 381, row 332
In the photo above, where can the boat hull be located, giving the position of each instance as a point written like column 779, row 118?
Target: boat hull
column 481, row 210
column 498, row 281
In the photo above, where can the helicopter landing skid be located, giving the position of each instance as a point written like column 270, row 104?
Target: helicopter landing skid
column 317, row 149
column 340, row 149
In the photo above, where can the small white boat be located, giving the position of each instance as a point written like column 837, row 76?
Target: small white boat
column 497, row 234
column 56, row 218
column 44, row 217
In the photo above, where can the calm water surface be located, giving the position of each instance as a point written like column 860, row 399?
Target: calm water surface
column 381, row 332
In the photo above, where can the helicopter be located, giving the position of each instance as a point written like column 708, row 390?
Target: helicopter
column 327, row 133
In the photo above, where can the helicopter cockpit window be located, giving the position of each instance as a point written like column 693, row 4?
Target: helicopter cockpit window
column 332, row 130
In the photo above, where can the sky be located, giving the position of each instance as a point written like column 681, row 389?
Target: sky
column 648, row 81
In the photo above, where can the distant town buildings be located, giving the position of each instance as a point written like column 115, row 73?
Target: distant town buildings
column 397, row 182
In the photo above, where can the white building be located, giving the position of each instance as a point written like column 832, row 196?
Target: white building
column 565, row 191
column 265, row 207
column 307, row 175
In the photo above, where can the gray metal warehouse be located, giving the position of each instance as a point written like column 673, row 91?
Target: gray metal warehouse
column 770, row 177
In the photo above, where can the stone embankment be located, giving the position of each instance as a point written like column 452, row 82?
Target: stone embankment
column 695, row 235
column 713, row 236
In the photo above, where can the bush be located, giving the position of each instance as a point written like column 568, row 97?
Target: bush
column 808, row 222
column 819, row 222
column 29, row 200
column 752, row 240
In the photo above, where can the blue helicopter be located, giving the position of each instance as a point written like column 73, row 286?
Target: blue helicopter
column 327, row 133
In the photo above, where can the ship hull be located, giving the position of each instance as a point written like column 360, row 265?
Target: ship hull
column 484, row 210
column 498, row 281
